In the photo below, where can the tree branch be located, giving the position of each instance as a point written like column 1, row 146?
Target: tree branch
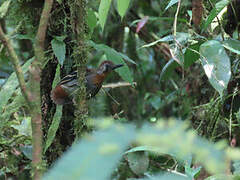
column 35, row 71
column 119, row 84
column 16, row 63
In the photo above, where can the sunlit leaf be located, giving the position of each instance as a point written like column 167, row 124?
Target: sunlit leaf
column 216, row 64
column 95, row 156
column 171, row 3
column 214, row 12
column 59, row 48
column 122, row 7
column 4, row 8
column 25, row 127
column 232, row 45
column 103, row 11
column 115, row 57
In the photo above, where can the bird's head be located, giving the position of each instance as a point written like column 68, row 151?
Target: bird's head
column 108, row 66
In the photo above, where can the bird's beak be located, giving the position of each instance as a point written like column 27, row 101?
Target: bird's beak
column 117, row 66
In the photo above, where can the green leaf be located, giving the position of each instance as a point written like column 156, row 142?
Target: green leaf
column 232, row 45
column 27, row 151
column 91, row 20
column 57, row 116
column 191, row 54
column 168, row 69
column 95, row 156
column 192, row 172
column 122, row 7
column 216, row 64
column 4, row 8
column 103, row 11
column 171, row 3
column 25, row 127
column 156, row 102
column 10, row 86
column 172, row 138
column 115, row 57
column 236, row 167
column 138, row 162
column 214, row 12
column 59, row 49
column 54, row 127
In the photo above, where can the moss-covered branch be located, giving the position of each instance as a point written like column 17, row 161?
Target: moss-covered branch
column 35, row 72
column 78, row 21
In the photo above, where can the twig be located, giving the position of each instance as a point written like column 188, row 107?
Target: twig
column 16, row 64
column 111, row 97
column 175, row 19
column 119, row 84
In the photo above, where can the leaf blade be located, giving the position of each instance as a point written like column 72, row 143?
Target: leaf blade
column 122, row 7
column 216, row 64
column 103, row 11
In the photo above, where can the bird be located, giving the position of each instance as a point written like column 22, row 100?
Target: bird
column 65, row 90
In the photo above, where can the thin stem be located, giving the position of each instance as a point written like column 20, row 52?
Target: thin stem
column 175, row 19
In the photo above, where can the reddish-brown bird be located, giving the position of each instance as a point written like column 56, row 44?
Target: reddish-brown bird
column 64, row 92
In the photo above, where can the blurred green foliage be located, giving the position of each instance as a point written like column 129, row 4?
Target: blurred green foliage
column 180, row 118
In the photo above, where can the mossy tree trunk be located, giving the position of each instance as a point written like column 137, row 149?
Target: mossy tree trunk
column 78, row 21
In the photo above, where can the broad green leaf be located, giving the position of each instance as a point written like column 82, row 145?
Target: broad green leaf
column 4, row 8
column 122, row 7
column 95, row 156
column 59, row 49
column 216, row 64
column 138, row 162
column 232, row 45
column 27, row 151
column 171, row 3
column 91, row 20
column 103, row 11
column 10, row 86
column 115, row 57
column 56, row 118
column 214, row 12
column 191, row 54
